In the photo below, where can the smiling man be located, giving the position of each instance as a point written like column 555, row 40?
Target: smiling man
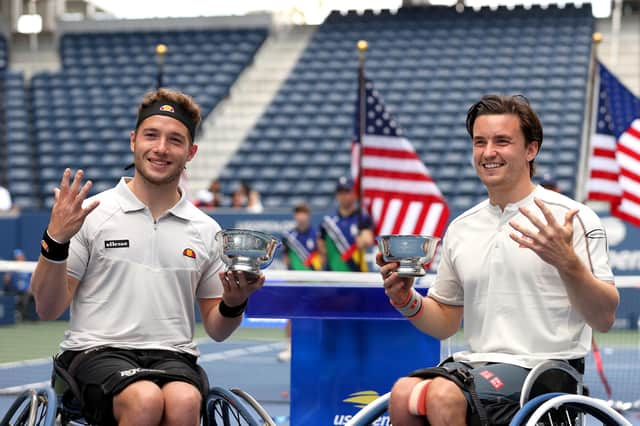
column 527, row 270
column 132, row 262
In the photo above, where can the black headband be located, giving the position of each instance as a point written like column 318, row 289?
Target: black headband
column 170, row 109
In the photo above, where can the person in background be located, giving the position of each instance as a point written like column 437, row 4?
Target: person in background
column 254, row 204
column 244, row 197
column 211, row 197
column 345, row 236
column 17, row 283
column 300, row 254
column 6, row 204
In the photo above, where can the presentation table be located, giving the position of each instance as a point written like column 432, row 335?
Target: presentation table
column 349, row 345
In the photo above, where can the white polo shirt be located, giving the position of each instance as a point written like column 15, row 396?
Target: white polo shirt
column 139, row 278
column 516, row 307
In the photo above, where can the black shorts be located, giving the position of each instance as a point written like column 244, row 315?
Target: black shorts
column 102, row 373
column 499, row 386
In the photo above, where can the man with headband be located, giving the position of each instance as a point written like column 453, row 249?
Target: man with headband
column 131, row 262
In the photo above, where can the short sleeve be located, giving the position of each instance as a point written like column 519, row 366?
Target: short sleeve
column 590, row 243
column 367, row 222
column 209, row 285
column 447, row 287
column 286, row 245
column 322, row 231
column 79, row 254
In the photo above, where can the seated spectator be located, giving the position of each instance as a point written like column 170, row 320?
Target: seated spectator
column 5, row 199
column 211, row 197
column 17, row 283
column 247, row 198
column 254, row 204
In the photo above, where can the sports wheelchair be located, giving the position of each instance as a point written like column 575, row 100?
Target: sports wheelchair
column 59, row 404
column 538, row 406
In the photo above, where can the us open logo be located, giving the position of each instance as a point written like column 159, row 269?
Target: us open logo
column 360, row 400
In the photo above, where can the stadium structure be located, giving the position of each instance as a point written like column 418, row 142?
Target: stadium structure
column 279, row 98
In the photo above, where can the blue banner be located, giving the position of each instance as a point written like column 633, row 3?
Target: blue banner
column 25, row 232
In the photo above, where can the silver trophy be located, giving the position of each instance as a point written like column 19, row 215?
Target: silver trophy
column 411, row 251
column 245, row 250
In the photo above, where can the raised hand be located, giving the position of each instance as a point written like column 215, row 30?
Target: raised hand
column 395, row 287
column 68, row 214
column 238, row 286
column 552, row 241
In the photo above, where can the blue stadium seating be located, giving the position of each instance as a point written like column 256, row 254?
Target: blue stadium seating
column 3, row 119
column 21, row 174
column 83, row 114
column 429, row 65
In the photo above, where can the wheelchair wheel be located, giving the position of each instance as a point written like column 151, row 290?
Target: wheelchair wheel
column 567, row 410
column 372, row 412
column 226, row 408
column 255, row 405
column 32, row 407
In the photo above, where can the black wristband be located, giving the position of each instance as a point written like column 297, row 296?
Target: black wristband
column 231, row 311
column 53, row 250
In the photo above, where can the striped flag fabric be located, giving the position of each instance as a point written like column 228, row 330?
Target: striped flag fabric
column 398, row 190
column 614, row 165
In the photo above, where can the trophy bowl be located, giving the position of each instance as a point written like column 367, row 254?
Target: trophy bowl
column 245, row 250
column 411, row 251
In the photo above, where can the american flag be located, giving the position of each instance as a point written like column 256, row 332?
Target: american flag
column 398, row 191
column 614, row 165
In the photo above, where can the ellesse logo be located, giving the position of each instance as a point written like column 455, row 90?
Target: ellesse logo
column 116, row 243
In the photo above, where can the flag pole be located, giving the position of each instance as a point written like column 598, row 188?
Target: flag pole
column 590, row 116
column 362, row 46
column 161, row 51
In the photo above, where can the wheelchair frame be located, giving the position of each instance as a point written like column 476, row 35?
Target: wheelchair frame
column 531, row 411
column 222, row 407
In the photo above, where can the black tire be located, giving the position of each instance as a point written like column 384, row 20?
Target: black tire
column 35, row 406
column 566, row 409
column 224, row 408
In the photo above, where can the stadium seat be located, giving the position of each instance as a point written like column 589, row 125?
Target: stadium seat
column 429, row 64
column 89, row 106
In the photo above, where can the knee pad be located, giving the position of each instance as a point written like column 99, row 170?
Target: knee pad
column 418, row 398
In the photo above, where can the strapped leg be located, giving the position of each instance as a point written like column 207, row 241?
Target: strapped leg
column 418, row 398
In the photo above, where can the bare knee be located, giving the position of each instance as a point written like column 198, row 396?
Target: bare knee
column 446, row 403
column 399, row 402
column 182, row 404
column 140, row 403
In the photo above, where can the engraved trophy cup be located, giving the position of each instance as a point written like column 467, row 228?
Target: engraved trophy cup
column 411, row 251
column 245, row 250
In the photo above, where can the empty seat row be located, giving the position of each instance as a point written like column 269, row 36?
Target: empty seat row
column 429, row 64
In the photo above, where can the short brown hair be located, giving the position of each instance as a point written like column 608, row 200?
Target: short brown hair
column 517, row 105
column 302, row 208
column 189, row 105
